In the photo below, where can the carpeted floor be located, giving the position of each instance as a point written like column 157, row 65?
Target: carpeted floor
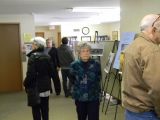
column 13, row 107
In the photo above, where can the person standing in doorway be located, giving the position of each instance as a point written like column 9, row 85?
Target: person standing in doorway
column 140, row 73
column 66, row 57
column 86, row 76
column 52, row 51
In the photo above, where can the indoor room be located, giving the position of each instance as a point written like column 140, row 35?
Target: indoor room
column 108, row 27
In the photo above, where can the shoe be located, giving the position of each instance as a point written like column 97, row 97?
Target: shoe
column 57, row 94
column 66, row 95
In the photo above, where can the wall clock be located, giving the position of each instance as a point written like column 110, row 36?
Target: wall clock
column 85, row 30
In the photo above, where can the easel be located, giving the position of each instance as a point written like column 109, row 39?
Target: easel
column 115, row 47
column 126, row 39
column 119, row 93
column 116, row 77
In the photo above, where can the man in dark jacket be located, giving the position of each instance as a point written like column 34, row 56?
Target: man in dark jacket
column 52, row 51
column 66, row 57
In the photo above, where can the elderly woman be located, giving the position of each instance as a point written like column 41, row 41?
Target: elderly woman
column 38, row 76
column 86, row 75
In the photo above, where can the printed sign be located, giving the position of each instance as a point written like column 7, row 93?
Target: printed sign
column 125, row 40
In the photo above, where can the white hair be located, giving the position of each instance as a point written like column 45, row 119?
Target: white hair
column 157, row 25
column 83, row 45
column 147, row 21
column 39, row 41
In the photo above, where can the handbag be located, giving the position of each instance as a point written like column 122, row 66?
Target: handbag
column 33, row 97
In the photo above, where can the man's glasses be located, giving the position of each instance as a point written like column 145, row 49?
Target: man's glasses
column 156, row 20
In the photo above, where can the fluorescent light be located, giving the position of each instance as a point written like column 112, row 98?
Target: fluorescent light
column 75, row 23
column 101, row 15
column 105, row 18
column 96, row 9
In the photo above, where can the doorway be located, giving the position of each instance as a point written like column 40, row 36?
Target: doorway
column 59, row 39
column 10, row 58
column 39, row 34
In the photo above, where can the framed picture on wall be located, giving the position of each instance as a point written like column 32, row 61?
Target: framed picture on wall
column 27, row 37
column 71, row 41
column 103, row 38
column 114, row 35
column 86, row 38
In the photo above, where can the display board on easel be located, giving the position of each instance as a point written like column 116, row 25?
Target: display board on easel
column 126, row 39
column 112, row 83
column 97, row 48
column 109, row 62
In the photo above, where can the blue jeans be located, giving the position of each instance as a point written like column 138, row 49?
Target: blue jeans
column 151, row 115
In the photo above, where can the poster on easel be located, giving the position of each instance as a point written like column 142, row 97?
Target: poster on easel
column 109, row 62
column 126, row 39
column 97, row 49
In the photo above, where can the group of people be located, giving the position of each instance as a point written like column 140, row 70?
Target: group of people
column 61, row 58
column 81, row 77
column 140, row 75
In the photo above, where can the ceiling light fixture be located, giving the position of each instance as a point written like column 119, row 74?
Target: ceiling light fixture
column 75, row 23
column 96, row 9
column 104, row 14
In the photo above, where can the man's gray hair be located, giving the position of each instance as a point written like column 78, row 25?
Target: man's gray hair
column 39, row 42
column 147, row 21
column 83, row 45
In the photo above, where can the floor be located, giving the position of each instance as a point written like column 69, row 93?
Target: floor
column 13, row 107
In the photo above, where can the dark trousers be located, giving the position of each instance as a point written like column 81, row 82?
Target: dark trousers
column 57, row 83
column 66, row 81
column 88, row 109
column 41, row 110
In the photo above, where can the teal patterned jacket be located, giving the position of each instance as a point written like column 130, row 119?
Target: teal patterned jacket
column 86, row 80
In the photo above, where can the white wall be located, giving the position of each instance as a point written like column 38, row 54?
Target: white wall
column 26, row 22
column 26, row 26
column 103, row 29
column 114, row 27
column 132, row 11
column 49, row 33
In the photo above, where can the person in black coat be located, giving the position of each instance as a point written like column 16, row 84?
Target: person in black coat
column 39, row 73
column 52, row 51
